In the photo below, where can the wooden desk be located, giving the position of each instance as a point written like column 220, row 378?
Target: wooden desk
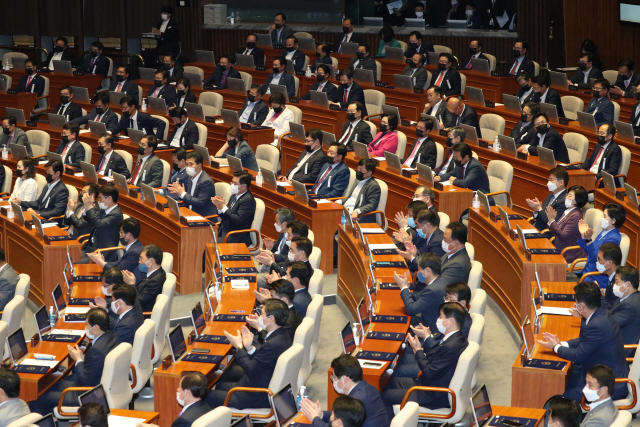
column 507, row 274
column 626, row 104
column 509, row 411
column 23, row 101
column 631, row 226
column 57, row 81
column 167, row 381
column 532, row 387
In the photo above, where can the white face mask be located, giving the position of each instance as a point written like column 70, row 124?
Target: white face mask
column 552, row 186
column 88, row 334
column 419, row 14
column 600, row 267
column 416, row 199
column 339, row 390
column 590, row 395
column 617, row 292
column 445, row 246
column 288, row 243
column 604, row 223
column 103, row 206
column 191, row 171
column 261, row 323
column 180, row 401
column 278, row 227
column 292, row 256
column 568, row 203
column 164, row 16
column 440, row 326
column 114, row 308
column 234, row 189
column 469, row 13
column 105, row 291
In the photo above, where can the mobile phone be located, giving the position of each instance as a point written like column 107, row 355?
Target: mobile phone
column 512, row 423
column 206, row 350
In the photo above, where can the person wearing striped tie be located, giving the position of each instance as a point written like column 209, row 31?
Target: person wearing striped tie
column 124, row 84
column 627, row 78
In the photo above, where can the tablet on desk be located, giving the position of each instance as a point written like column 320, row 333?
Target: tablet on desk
column 364, row 76
column 97, row 128
column 147, row 74
column 177, row 345
column 632, row 195
column 245, row 61
column 56, row 121
column 624, row 132
column 204, row 152
column 558, row 79
column 120, row 182
column 135, row 135
column 89, row 172
column 277, row 88
column 115, row 97
column 17, row 151
column 471, row 134
column 205, row 56
column 546, row 157
column 263, row 40
column 194, row 111
column 484, row 202
column 174, row 208
column 550, row 110
column 609, row 182
column 236, row 85
column 403, row 83
column 81, row 94
column 511, row 103
column 349, row 48
column 360, row 150
column 300, row 190
column 474, row 94
column 319, row 99
column 587, row 121
column 269, row 177
column 51, row 156
column 18, row 113
column 393, row 161
column 230, row 117
column 297, row 131
column 235, row 164
column 18, row 215
column 158, row 104
column 507, row 145
column 194, row 78
column 425, row 174
column 148, row 194
column 481, row 65
column 395, row 54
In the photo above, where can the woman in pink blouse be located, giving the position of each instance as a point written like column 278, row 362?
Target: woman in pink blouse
column 386, row 139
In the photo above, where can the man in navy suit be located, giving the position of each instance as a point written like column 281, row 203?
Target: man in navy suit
column 101, row 113
column 291, row 53
column 87, row 371
column 179, row 172
column 521, row 63
column 600, row 342
column 105, row 220
column 348, row 92
column 254, row 111
column 239, row 212
column 547, row 137
column 133, row 119
column 280, row 77
column 54, row 196
column 347, row 36
column 129, row 232
column 149, row 277
column 95, row 63
column 279, row 248
column 418, row 45
column 457, row 113
column 251, row 49
column 31, row 82
column 254, row 364
column 627, row 78
column 185, row 132
column 334, row 170
column 557, row 185
column 626, row 308
column 347, row 378
column 586, row 72
column 524, row 127
column 601, row 106
column 174, row 69
column 279, row 29
column 424, row 149
column 123, row 83
column 59, row 53
column 323, row 84
column 456, row 264
column 606, row 155
column 542, row 92
column 125, row 315
column 162, row 89
column 75, row 218
column 190, row 394
column 447, row 78
column 311, row 160
column 199, row 191
column 70, row 149
column 355, row 129
column 299, row 273
column 437, row 364
column 475, row 52
column 221, row 73
column 110, row 161
column 67, row 108
column 428, row 237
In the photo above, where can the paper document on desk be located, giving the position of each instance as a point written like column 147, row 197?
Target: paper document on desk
column 239, row 284
column 126, row 137
column 280, row 183
column 107, row 178
column 84, row 131
column 380, row 159
column 49, row 224
column 78, row 174
column 118, row 421
column 195, row 218
column 409, row 169
column 445, row 183
column 560, row 311
column 39, row 362
column 77, row 310
column 223, row 161
column 382, row 246
column 371, row 364
column 372, row 231
column 66, row 332
column 319, row 201
column 530, row 231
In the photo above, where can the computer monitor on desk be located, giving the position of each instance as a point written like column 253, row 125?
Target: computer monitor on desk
column 475, row 95
column 297, row 131
column 147, row 74
column 624, row 132
column 89, row 172
column 148, row 193
column 177, row 345
column 95, row 395
column 507, row 145
column 205, row 56
column 395, row 54
column 471, row 134
column 18, row 214
column 415, row 23
column 194, row 110
column 360, row 150
column 481, row 65
column 17, row 346
column 237, row 85
column 116, row 97
column 120, row 182
column 319, row 99
column 349, row 48
column 17, row 151
column 56, row 121
column 42, row 320
column 245, row 61
column 511, row 103
column 558, row 79
column 364, row 76
column 550, row 110
column 274, row 88
column 194, row 78
column 347, row 339
column 18, row 113
column 587, row 121
column 264, row 40
column 81, row 94
column 158, row 104
column 230, row 117
column 547, row 157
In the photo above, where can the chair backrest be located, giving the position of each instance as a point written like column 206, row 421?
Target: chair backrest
column 316, row 282
column 616, row 111
column 25, row 420
column 110, row 72
column 223, row 189
column 8, row 80
column 169, row 287
column 166, row 125
column 256, row 224
column 128, row 158
column 402, row 144
column 444, row 220
column 166, row 171
column 403, row 45
column 492, row 61
column 626, row 161
column 211, row 103
column 304, row 337
column 475, row 275
column 374, row 100
column 194, row 70
column 10, row 55
column 40, row 182
column 296, row 82
column 160, row 315
column 577, row 146
column 623, row 419
column 463, row 84
column 491, row 125
column 315, row 257
column 478, row 302
column 625, row 244
column 302, row 35
column 87, row 152
column 352, row 180
column 536, row 68
column 461, row 380
column 477, row 329
column 39, row 140
column 267, row 156
column 372, row 127
column 4, row 333
column 202, row 134
column 297, row 113
column 219, row 417
column 611, row 75
column 408, row 416
column 471, row 251
column 247, row 78
column 438, row 48
column 287, row 368
column 334, row 62
column 311, row 236
column 592, row 217
column 24, row 283
column 378, row 70
column 571, row 105
column 439, row 153
column 314, row 311
column 500, row 178
column 139, row 91
column 306, row 62
column 382, row 204
column 141, row 353
column 115, row 376
column 8, row 179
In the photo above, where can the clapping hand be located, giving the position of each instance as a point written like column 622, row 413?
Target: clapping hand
column 401, row 220
column 129, row 277
column 262, row 294
column 310, row 410
column 585, row 231
column 414, row 342
column 551, row 213
column 534, row 204
column 402, row 281
column 421, row 331
column 549, row 341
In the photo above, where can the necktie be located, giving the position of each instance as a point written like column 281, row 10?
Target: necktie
column 64, row 152
column 134, row 177
column 29, row 81
column 155, row 94
column 98, row 117
column 515, row 67
column 346, row 138
column 346, row 93
column 131, row 123
column 224, row 79
column 315, row 187
column 346, row 37
column 413, row 152
column 468, row 67
column 93, row 61
column 233, row 202
column 440, row 77
column 597, row 160
column 119, row 87
column 101, row 165
column 464, row 171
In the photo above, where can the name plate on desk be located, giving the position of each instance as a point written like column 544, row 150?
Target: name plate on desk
column 390, row 336
column 202, row 358
column 404, row 122
column 49, row 239
column 294, row 100
column 208, row 87
column 278, row 46
column 521, row 156
column 210, row 119
column 409, row 173
column 614, row 96
column 375, row 355
column 500, row 421
column 489, row 104
column 390, row 319
column 242, row 270
column 559, row 297
column 87, row 278
column 31, row 123
column 213, row 339
column 495, row 74
column 31, row 369
column 229, row 318
column 391, row 264
column 545, row 364
column 483, row 144
column 573, row 88
column 61, row 338
column 245, row 126
column 389, row 285
column 438, row 186
column 300, row 73
column 12, row 91
column 379, row 84
column 235, row 257
column 442, row 132
column 228, row 279
column 78, row 73
column 282, row 190
column 75, row 317
column 160, row 206
column 333, row 107
column 259, row 68
column 512, row 217
column 80, row 301
column 563, row 121
column 529, row 252
column 418, row 90
column 620, row 195
column 534, row 236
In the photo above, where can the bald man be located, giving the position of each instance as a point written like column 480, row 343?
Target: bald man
column 457, row 113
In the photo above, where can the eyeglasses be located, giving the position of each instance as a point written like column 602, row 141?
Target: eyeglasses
column 450, row 299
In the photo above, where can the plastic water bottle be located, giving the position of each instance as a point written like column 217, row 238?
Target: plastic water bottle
column 356, row 336
column 233, row 18
column 259, row 178
column 52, row 317
column 144, row 104
column 6, row 65
column 5, row 153
column 301, row 395
column 10, row 214
column 343, row 220
column 496, row 144
column 308, row 72
column 476, row 201
column 218, row 293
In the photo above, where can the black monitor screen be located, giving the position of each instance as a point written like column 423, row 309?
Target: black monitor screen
column 482, row 406
column 42, row 318
column 242, row 422
column 58, row 298
column 177, row 343
column 347, row 339
column 284, row 405
column 17, row 345
column 197, row 318
column 46, row 421
column 95, row 395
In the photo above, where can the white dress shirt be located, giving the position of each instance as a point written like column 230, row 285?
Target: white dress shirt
column 175, row 142
column 352, row 200
column 302, row 162
column 25, row 191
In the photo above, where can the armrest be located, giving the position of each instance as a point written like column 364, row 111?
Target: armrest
column 590, row 274
column 280, row 139
column 333, row 199
column 4, row 194
column 569, row 248
column 630, row 347
column 39, row 157
column 573, row 164
column 56, row 217
column 495, row 193
column 249, row 390
column 634, row 395
column 113, row 248
column 84, row 236
column 439, row 389
column 134, row 375
column 64, row 392
column 251, row 230
column 385, row 223
column 531, row 220
column 368, row 118
column 546, row 230
column 147, row 314
column 573, row 264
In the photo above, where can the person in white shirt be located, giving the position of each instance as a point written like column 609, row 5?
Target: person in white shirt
column 279, row 116
column 25, row 187
column 597, row 391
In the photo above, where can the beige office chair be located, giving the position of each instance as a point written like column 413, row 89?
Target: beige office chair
column 403, row 45
column 10, row 55
column 408, row 416
column 160, row 316
column 437, row 48
column 43, row 101
column 167, row 263
column 26, row 420
column 475, row 276
column 463, row 83
column 296, row 81
column 268, row 156
column 577, row 146
column 492, row 61
column 306, row 63
column 311, row 236
column 381, row 218
column 297, row 113
column 219, row 417
column 73, row 193
column 166, row 126
column 592, row 217
column 500, row 178
column 536, row 67
column 314, row 311
column 140, row 92
column 471, row 251
column 202, row 135
column 334, row 62
column 444, row 220
column 616, row 111
column 378, row 70
column 302, row 35
column 316, row 282
column 315, row 257
column 40, row 182
column 8, row 179
column 87, row 151
column 623, row 419
column 476, row 333
column 491, row 125
column 374, row 100
column 194, row 70
column 372, row 127
column 142, row 368
column 402, row 144
column 8, row 81
column 611, row 75
column 630, row 402
column 254, row 231
column 247, row 79
column 304, row 337
column 4, row 332
column 440, row 153
column 23, row 286
column 39, row 141
column 166, row 172
column 478, row 304
column 571, row 105
column 128, row 158
column 223, row 190
column 211, row 103
column 427, row 84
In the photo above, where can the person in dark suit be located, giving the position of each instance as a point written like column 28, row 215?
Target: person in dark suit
column 70, row 149
column 183, row 93
column 67, row 107
column 59, row 53
column 334, row 175
column 190, row 395
column 53, row 198
column 8, row 281
column 415, row 69
column 600, row 105
column 363, row 197
column 105, row 221
column 348, row 93
column 627, row 78
column 169, row 32
column 428, row 238
column 445, row 77
column 125, row 316
column 291, row 53
column 185, row 132
column 75, row 215
column 323, row 84
column 355, row 129
column 174, row 69
column 437, row 364
column 282, row 290
column 600, row 342
column 566, row 227
column 311, row 161
column 468, row 173
column 179, row 172
column 129, row 232
column 299, row 274
column 31, row 82
column 221, row 73
column 109, row 278
column 279, row 29
column 279, row 248
column 323, row 57
column 280, row 77
column 236, row 146
column 162, row 89
column 558, row 180
column 634, row 120
column 254, row 365
column 606, row 155
column 475, row 52
column 418, row 45
column 255, row 110
column 110, row 161
column 525, row 91
column 472, row 16
column 523, row 130
column 239, row 212
column 626, row 308
column 363, row 60
column 124, row 83
column 88, row 365
column 148, row 169
column 544, row 93
column 133, row 119
column 424, row 148
column 455, row 135
column 101, row 113
column 521, row 63
column 456, row 264
column 347, row 379
column 586, row 71
column 251, row 49
column 546, row 137
column 151, row 277
column 95, row 63
column 436, row 105
column 197, row 194
column 347, row 36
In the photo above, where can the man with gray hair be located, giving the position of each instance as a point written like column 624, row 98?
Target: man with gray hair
column 454, row 135
column 279, row 248
column 425, row 194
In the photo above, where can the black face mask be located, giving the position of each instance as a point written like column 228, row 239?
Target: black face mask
column 18, row 173
column 28, row 71
column 65, row 139
column 317, row 54
column 449, row 142
column 542, row 129
column 414, row 46
column 359, row 175
column 595, row 93
column 523, row 117
column 278, row 26
column 419, row 133
column 251, row 45
column 601, row 140
column 473, row 50
column 141, row 151
column 320, row 78
column 409, row 62
column 180, row 93
column 99, row 111
column 123, row 242
column 251, row 98
column 166, row 66
column 291, row 49
column 158, row 83
column 176, row 167
column 345, row 30
column 308, row 148
column 126, row 114
column 458, row 163
column 59, row 49
column 360, row 55
column 516, row 53
column 384, row 128
column 329, row 159
column 441, row 66
column 6, row 131
column 351, row 116
column 582, row 66
column 344, row 86
column 276, row 70
column 526, row 88
column 101, row 149
column 277, row 110
column 94, row 53
column 232, row 143
column 64, row 99
column 119, row 78
column 49, row 178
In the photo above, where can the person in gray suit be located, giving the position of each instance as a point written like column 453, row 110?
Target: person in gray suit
column 11, row 407
column 415, row 69
column 11, row 134
column 149, row 169
column 600, row 383
column 364, row 196
column 456, row 264
column 8, row 282
column 363, row 60
column 199, row 188
column 236, row 146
